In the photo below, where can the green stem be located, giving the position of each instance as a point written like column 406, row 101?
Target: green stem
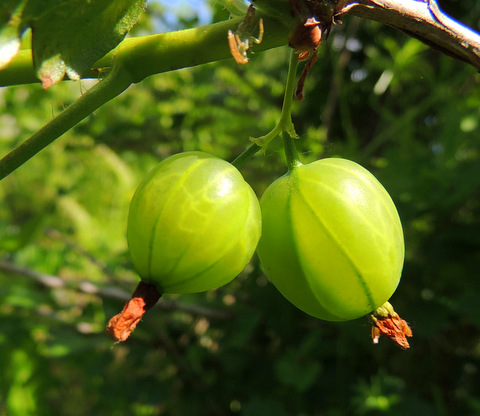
column 148, row 55
column 114, row 84
column 132, row 61
column 156, row 54
column 285, row 124
column 291, row 154
column 286, row 116
column 240, row 161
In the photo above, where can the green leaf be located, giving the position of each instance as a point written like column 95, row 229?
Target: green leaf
column 68, row 36
column 66, row 42
column 10, row 20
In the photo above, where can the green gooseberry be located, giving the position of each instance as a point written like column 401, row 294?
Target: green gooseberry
column 332, row 241
column 193, row 224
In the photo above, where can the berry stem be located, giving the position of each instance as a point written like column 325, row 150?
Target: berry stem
column 122, row 325
column 286, row 116
column 285, row 124
column 291, row 153
column 245, row 156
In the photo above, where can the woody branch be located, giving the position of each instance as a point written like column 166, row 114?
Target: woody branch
column 422, row 19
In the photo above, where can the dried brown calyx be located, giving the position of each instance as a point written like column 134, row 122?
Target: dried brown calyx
column 311, row 21
column 121, row 325
column 387, row 323
column 316, row 20
column 305, row 39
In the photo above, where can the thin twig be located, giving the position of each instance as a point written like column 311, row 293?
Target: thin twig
column 55, row 282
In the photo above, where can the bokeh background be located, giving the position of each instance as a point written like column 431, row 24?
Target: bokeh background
column 406, row 112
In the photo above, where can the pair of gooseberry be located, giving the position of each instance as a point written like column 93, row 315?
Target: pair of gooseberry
column 327, row 234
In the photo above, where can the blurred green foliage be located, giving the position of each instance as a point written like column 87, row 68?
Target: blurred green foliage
column 404, row 111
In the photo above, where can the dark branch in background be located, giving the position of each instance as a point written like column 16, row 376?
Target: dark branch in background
column 55, row 282
column 423, row 20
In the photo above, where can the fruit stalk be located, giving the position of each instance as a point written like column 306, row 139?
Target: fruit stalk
column 291, row 154
column 285, row 124
column 240, row 161
column 144, row 297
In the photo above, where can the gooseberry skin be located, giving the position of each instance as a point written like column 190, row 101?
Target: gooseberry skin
column 193, row 224
column 332, row 241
